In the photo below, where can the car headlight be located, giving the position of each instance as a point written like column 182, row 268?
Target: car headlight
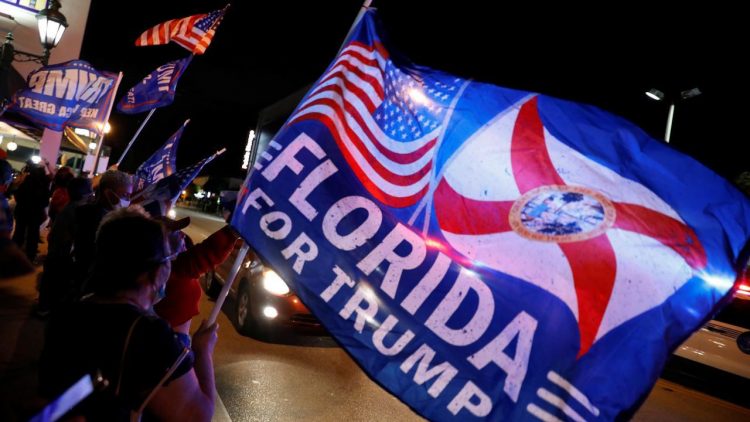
column 172, row 214
column 274, row 284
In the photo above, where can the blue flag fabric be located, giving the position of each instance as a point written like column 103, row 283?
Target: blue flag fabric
column 157, row 89
column 161, row 164
column 488, row 253
column 168, row 189
column 67, row 93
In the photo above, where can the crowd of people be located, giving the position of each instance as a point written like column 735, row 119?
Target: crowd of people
column 118, row 291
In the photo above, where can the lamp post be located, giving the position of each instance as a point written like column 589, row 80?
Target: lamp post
column 51, row 24
column 657, row 95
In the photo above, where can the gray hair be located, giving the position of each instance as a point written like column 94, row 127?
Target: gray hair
column 113, row 179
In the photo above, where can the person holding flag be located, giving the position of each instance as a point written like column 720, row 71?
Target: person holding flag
column 114, row 333
column 183, row 291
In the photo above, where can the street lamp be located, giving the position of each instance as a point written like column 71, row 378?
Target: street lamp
column 657, row 95
column 51, row 24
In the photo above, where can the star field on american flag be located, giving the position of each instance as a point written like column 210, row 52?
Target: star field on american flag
column 405, row 115
column 386, row 119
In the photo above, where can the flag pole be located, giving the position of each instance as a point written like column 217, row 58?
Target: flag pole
column 150, row 113
column 138, row 132
column 104, row 124
column 232, row 274
column 228, row 283
column 362, row 10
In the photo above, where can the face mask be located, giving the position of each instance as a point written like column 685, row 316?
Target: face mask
column 118, row 201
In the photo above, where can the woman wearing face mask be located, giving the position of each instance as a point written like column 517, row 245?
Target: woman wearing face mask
column 116, row 333
column 192, row 261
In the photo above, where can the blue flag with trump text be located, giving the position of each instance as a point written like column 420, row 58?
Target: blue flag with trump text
column 489, row 253
column 169, row 188
column 157, row 89
column 161, row 164
column 67, row 93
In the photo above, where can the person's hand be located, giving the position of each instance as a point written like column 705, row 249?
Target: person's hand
column 204, row 340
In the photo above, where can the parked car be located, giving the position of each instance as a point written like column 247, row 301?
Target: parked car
column 264, row 304
column 724, row 342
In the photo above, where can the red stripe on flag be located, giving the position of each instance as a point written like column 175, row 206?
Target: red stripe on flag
column 381, row 49
column 374, row 189
column 371, row 80
column 350, row 86
column 667, row 230
column 384, row 172
column 396, row 157
column 532, row 166
column 594, row 267
column 162, row 34
column 366, row 60
column 461, row 215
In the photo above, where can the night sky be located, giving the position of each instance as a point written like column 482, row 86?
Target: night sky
column 605, row 57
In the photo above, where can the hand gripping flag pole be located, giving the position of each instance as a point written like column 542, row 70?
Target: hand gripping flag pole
column 228, row 283
column 232, row 274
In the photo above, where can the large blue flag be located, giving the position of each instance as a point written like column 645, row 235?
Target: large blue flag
column 67, row 93
column 161, row 164
column 485, row 252
column 157, row 89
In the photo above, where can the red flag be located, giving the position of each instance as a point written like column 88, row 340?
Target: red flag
column 193, row 33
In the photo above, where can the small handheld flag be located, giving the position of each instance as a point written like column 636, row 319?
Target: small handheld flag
column 194, row 33
column 161, row 164
column 168, row 189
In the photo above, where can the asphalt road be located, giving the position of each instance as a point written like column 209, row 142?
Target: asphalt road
column 318, row 381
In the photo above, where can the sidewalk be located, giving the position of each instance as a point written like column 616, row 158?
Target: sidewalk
column 21, row 339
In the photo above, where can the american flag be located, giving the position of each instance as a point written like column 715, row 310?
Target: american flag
column 193, row 33
column 386, row 120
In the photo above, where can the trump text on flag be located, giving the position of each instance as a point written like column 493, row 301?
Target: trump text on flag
column 63, row 93
column 355, row 300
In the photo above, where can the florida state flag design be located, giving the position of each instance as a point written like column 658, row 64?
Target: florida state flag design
column 486, row 253
column 518, row 200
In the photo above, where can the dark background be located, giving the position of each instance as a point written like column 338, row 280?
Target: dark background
column 607, row 57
